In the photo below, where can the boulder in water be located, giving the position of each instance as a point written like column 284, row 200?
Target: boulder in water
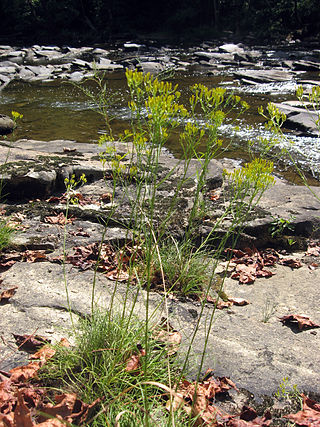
column 6, row 125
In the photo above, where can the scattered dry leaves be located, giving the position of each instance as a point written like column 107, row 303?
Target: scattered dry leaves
column 251, row 263
column 198, row 398
column 34, row 256
column 23, row 404
column 110, row 261
column 76, row 197
column 310, row 414
column 313, row 249
column 303, row 322
column 59, row 219
column 8, row 259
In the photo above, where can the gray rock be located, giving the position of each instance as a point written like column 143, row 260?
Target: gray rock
column 25, row 74
column 77, row 76
column 133, row 46
column 7, row 70
column 79, row 63
column 265, row 76
column 151, row 67
column 306, row 66
column 100, row 52
column 299, row 118
column 39, row 70
column 6, row 124
column 232, row 48
column 4, row 81
column 255, row 355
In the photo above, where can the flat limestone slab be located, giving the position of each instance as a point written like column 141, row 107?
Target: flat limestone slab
column 254, row 354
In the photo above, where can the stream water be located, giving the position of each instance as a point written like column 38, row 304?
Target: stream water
column 60, row 110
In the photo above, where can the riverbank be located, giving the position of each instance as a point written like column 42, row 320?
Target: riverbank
column 248, row 343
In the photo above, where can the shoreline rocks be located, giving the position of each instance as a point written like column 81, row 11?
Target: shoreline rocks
column 6, row 125
column 52, row 62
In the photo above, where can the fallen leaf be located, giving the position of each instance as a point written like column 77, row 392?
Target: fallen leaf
column 55, row 199
column 79, row 232
column 30, row 342
column 69, row 150
column 22, row 414
column 303, row 322
column 59, row 219
column 45, row 353
column 106, row 197
column 245, row 273
column 24, row 373
column 133, row 363
column 309, row 415
column 215, row 194
column 290, row 262
column 166, row 334
column 238, row 301
column 69, row 407
column 64, row 342
column 119, row 276
column 7, row 294
column 313, row 266
column 249, row 418
column 34, row 256
column 7, row 260
column 313, row 250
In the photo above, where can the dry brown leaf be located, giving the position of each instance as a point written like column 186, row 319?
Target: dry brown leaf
column 24, row 373
column 238, row 301
column 215, row 194
column 106, row 197
column 133, row 363
column 310, row 414
column 303, row 322
column 166, row 334
column 59, row 219
column 245, row 273
column 313, row 250
column 45, row 353
column 313, row 266
column 30, row 342
column 7, row 294
column 22, row 414
column 7, row 260
column 64, row 342
column 119, row 276
column 34, row 256
column 291, row 262
column 69, row 408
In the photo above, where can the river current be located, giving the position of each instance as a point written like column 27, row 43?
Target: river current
column 60, row 110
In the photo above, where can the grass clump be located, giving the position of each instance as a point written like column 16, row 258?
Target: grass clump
column 185, row 268
column 110, row 361
column 6, row 233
